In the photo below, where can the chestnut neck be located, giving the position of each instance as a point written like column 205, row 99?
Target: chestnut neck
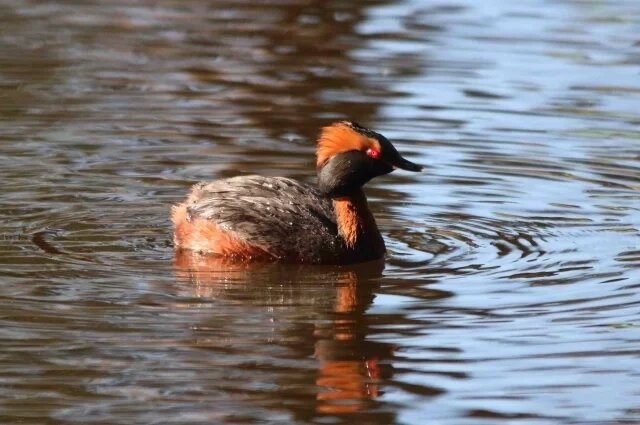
column 357, row 226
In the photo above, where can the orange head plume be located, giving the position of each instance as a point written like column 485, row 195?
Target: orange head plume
column 344, row 136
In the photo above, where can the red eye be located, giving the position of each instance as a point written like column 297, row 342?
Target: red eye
column 373, row 153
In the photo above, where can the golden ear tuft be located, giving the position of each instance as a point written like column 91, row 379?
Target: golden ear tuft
column 341, row 137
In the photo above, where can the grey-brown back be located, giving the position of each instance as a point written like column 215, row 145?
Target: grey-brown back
column 281, row 216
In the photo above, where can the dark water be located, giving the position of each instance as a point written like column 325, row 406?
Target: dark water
column 511, row 292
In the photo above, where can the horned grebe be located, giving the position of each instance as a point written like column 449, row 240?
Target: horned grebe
column 280, row 219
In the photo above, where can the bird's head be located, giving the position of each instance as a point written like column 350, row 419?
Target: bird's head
column 350, row 155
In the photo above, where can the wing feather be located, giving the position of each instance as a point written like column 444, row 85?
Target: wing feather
column 277, row 214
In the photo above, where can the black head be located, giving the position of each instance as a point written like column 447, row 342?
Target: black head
column 350, row 155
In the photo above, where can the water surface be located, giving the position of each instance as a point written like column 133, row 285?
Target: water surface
column 510, row 292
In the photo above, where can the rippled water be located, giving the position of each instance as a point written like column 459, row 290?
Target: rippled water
column 511, row 290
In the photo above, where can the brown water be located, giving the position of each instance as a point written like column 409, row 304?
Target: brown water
column 511, row 291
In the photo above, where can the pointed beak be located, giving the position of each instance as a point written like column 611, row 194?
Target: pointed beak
column 403, row 164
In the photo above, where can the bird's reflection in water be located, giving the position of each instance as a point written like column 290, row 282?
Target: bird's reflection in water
column 350, row 368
